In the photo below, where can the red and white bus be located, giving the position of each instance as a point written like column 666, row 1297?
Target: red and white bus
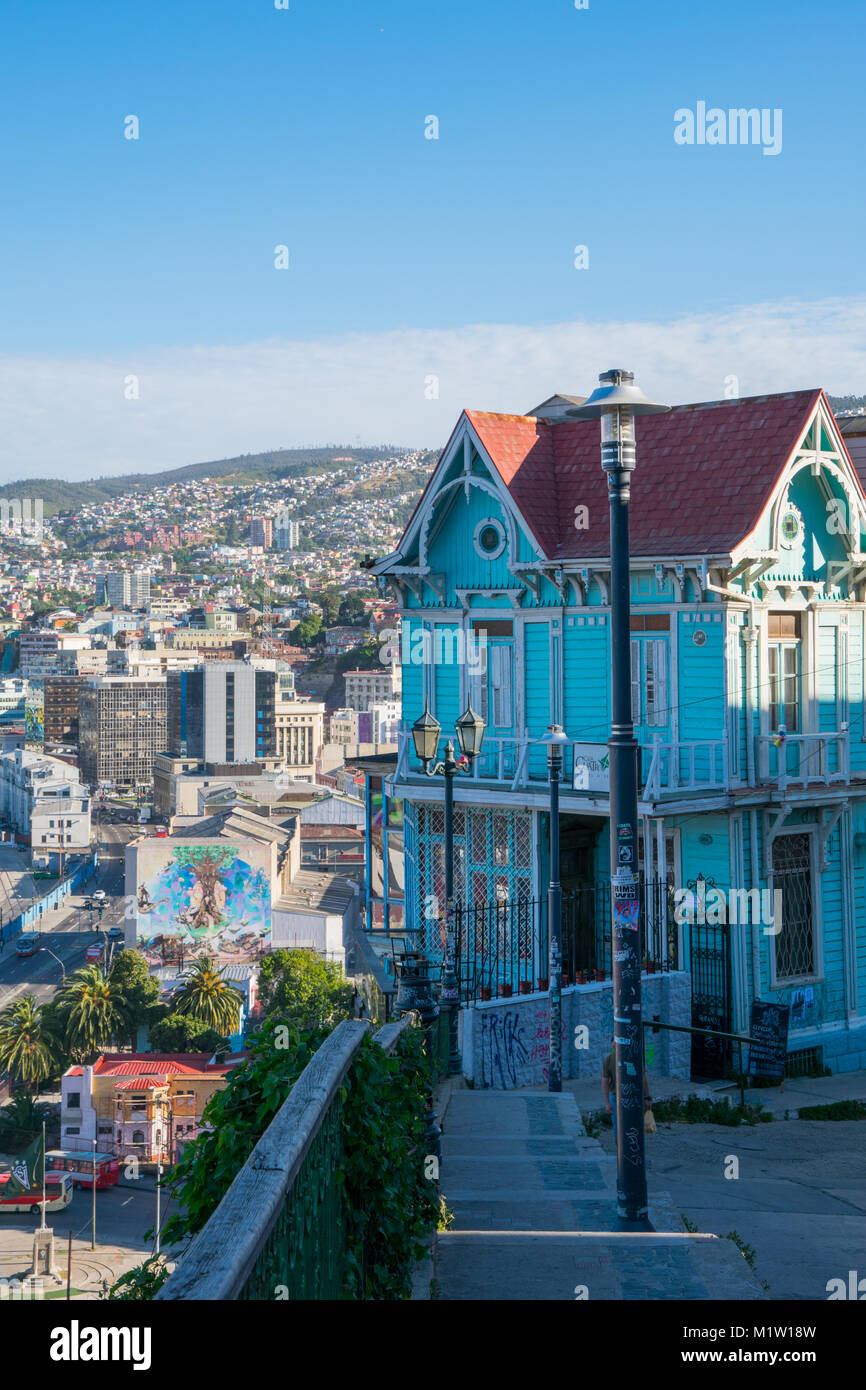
column 80, row 1165
column 58, row 1194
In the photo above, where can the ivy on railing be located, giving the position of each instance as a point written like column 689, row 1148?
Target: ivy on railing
column 390, row 1206
column 380, row 1205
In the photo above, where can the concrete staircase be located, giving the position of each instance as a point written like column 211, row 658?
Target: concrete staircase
column 534, row 1203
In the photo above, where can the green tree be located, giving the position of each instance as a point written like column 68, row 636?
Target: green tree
column 21, row 1122
column 309, row 631
column 329, row 602
column 27, row 1048
column 205, row 994
column 303, row 990
column 90, row 1010
column 352, row 611
column 183, row 1033
column 138, row 992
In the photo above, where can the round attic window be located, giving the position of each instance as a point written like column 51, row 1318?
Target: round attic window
column 489, row 538
column 791, row 527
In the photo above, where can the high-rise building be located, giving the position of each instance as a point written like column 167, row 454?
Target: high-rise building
column 128, row 588
column 262, row 531
column 61, row 708
column 121, row 728
column 221, row 712
column 287, row 533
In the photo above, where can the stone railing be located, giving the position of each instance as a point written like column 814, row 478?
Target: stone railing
column 278, row 1231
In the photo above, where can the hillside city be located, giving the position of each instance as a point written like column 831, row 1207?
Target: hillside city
column 432, row 676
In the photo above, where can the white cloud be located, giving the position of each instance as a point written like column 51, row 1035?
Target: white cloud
column 70, row 419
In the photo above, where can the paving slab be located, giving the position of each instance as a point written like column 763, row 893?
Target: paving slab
column 534, row 1214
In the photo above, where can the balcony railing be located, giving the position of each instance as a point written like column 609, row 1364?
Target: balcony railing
column 673, row 766
column 280, row 1224
column 520, row 762
column 804, row 758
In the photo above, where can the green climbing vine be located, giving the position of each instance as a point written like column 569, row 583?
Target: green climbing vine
column 391, row 1202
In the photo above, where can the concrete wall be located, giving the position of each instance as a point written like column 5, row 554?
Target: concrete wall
column 505, row 1041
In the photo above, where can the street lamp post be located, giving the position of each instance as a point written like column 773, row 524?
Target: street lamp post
column 616, row 401
column 425, row 735
column 59, row 962
column 555, row 739
column 93, row 1200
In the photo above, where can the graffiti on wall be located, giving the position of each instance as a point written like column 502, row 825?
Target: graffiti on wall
column 504, row 1049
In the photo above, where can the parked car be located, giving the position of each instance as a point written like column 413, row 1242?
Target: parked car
column 94, row 954
column 27, row 945
column 160, row 830
column 99, row 895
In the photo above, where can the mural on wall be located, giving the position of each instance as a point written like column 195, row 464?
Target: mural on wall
column 34, row 719
column 211, row 899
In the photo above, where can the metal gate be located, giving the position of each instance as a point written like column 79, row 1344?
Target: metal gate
column 710, row 967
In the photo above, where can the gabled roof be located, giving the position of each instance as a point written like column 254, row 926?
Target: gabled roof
column 704, row 473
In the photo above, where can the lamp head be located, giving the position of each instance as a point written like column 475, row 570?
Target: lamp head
column 470, row 733
column 556, row 739
column 425, row 736
column 616, row 392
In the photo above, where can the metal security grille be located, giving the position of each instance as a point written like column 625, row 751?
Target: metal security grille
column 792, row 874
column 492, row 869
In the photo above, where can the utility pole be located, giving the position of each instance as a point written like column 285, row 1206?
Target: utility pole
column 615, row 402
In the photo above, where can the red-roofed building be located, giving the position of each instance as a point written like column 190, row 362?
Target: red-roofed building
column 748, row 650
column 139, row 1105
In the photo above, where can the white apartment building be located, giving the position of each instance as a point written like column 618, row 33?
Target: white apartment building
column 42, row 650
column 37, row 793
column 128, row 588
column 367, row 688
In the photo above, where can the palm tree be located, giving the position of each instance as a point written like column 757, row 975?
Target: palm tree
column 21, row 1120
column 26, row 1047
column 206, row 995
column 91, row 1008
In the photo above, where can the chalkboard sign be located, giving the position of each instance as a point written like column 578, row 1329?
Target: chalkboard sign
column 769, row 1026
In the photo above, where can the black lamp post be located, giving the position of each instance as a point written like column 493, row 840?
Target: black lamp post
column 425, row 735
column 616, row 402
column 555, row 740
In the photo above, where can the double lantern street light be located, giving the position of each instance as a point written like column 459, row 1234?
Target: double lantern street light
column 470, row 735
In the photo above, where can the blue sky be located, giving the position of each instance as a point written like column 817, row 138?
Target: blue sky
column 305, row 127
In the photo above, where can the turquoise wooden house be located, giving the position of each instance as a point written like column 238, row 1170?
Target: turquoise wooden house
column 748, row 543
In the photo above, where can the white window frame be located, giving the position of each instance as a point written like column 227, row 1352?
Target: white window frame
column 794, row 981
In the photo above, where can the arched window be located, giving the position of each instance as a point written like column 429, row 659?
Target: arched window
column 138, row 1136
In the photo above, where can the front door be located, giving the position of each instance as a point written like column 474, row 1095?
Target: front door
column 579, row 914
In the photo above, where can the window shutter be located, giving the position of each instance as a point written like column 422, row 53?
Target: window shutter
column 659, row 659
column 635, row 682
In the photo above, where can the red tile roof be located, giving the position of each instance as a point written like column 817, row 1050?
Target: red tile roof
column 704, row 474
column 158, row 1064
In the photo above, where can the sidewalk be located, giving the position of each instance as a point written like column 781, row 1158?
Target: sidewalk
column 534, row 1206
column 781, row 1102
column 89, row 1267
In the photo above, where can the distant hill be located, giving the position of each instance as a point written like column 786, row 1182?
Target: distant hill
column 58, row 495
column 847, row 402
